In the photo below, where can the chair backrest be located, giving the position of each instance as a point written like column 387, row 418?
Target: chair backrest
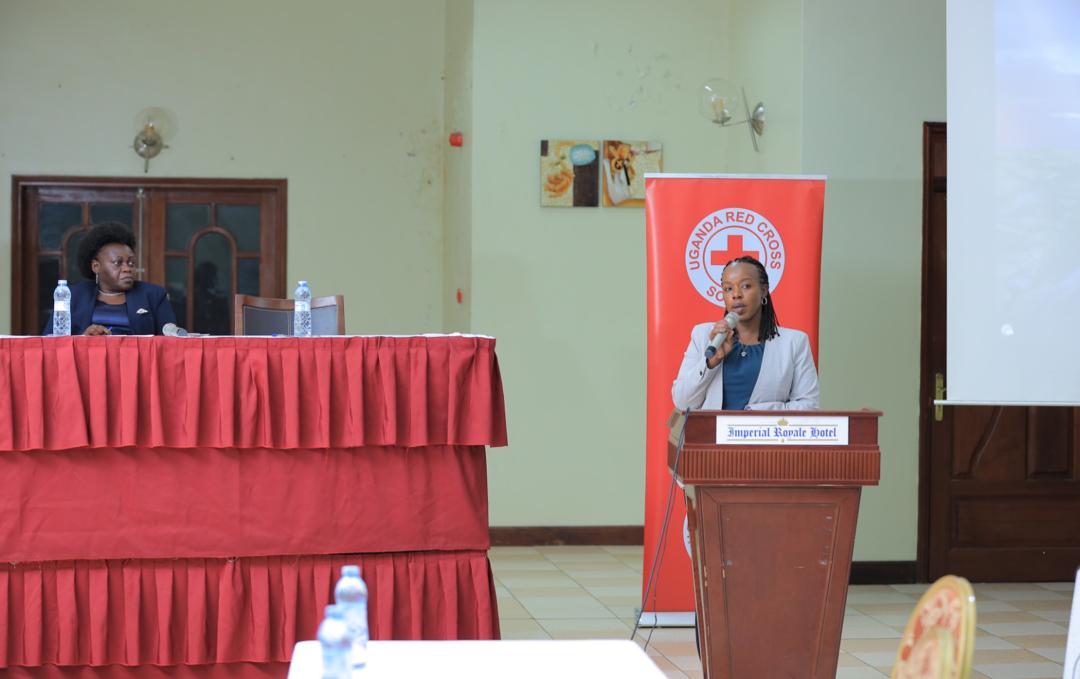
column 272, row 316
column 931, row 657
column 948, row 605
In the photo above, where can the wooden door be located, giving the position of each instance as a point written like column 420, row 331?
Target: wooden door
column 999, row 485
column 201, row 239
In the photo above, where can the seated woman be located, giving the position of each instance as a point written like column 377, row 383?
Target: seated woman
column 114, row 303
column 759, row 366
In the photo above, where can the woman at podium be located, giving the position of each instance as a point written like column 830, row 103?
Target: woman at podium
column 757, row 364
column 112, row 301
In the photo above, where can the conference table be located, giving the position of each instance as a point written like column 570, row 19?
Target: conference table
column 182, row 507
column 564, row 659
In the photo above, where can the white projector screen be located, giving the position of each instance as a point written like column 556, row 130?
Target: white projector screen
column 1013, row 202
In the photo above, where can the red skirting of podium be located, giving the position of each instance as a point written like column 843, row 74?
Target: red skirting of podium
column 181, row 507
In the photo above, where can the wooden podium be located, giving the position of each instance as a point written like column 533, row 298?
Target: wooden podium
column 772, row 526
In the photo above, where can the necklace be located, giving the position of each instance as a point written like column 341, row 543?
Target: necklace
column 109, row 294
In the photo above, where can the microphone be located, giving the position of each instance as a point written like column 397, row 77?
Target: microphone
column 173, row 330
column 732, row 319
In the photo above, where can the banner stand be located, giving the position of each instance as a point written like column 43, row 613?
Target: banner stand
column 695, row 224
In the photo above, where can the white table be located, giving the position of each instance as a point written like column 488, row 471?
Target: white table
column 494, row 659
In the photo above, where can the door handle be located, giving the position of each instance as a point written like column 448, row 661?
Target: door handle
column 939, row 394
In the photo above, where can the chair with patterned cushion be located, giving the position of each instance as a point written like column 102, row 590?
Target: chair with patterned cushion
column 272, row 316
column 931, row 657
column 949, row 605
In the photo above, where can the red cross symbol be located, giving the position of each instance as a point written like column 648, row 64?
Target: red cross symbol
column 734, row 251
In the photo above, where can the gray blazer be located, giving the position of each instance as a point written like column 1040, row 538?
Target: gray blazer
column 787, row 381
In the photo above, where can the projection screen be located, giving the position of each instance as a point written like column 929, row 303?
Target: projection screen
column 1013, row 202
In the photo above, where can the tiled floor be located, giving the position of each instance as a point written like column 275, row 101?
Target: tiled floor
column 592, row 593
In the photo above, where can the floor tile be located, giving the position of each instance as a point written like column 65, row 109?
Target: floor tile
column 535, row 579
column 876, row 658
column 870, row 645
column 571, row 628
column 571, row 589
column 510, row 609
column 1013, row 629
column 997, row 657
column 885, row 595
column 565, row 607
column 1014, row 592
column 1007, row 616
column 1055, row 654
column 1057, row 586
column 522, row 629
column 864, row 672
column 862, row 627
column 1059, row 616
column 1037, row 641
column 1044, row 670
column 993, row 606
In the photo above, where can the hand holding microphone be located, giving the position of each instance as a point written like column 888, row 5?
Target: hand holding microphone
column 722, row 337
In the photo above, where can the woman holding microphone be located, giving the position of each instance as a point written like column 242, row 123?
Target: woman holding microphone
column 758, row 365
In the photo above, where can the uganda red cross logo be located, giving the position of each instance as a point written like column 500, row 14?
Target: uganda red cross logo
column 735, row 249
column 728, row 234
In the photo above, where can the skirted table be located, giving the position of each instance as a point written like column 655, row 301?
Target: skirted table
column 181, row 507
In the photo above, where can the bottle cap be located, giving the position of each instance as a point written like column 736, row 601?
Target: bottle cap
column 333, row 611
column 303, row 282
column 62, row 281
column 350, row 570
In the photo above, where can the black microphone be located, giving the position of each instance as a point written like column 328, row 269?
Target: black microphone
column 173, row 330
column 732, row 319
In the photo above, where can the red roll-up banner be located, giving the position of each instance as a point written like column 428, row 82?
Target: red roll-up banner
column 694, row 225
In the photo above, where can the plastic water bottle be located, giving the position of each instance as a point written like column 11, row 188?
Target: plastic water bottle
column 351, row 596
column 302, row 310
column 335, row 641
column 61, row 309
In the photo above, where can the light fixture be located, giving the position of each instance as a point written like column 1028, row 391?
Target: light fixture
column 720, row 102
column 153, row 127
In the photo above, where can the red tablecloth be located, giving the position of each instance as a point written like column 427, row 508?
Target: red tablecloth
column 175, row 502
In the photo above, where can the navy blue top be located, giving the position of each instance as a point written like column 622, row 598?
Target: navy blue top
column 741, row 368
column 112, row 316
column 148, row 309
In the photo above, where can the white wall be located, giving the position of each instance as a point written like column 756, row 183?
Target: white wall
column 458, row 179
column 342, row 98
column 563, row 289
column 873, row 73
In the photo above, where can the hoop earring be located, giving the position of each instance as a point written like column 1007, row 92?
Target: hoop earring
column 765, row 301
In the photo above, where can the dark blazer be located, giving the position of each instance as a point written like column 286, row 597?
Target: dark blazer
column 143, row 296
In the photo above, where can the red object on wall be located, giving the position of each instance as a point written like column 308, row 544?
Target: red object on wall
column 460, row 296
column 694, row 225
column 456, row 139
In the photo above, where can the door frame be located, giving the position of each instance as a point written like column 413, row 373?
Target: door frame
column 21, row 183
column 926, row 367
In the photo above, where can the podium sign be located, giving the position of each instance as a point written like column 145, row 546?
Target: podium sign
column 772, row 528
column 781, row 430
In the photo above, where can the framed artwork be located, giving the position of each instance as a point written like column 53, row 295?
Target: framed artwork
column 569, row 173
column 624, row 164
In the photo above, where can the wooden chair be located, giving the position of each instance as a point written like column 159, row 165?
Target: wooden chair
column 949, row 605
column 272, row 316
